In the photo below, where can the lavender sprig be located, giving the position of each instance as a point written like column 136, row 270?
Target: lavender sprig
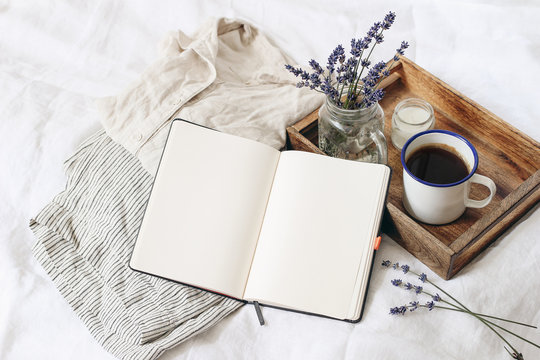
column 436, row 297
column 430, row 305
column 413, row 305
column 458, row 306
column 344, row 75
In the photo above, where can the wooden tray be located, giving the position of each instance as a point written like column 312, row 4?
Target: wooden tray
column 509, row 157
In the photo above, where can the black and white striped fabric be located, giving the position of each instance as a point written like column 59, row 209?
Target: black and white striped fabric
column 84, row 241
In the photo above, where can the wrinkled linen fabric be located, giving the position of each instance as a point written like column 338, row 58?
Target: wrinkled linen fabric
column 228, row 77
column 85, row 237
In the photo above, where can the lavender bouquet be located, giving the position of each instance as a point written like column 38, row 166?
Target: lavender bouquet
column 343, row 80
column 449, row 303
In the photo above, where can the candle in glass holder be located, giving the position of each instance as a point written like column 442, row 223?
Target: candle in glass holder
column 410, row 117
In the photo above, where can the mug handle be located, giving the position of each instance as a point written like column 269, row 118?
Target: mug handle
column 487, row 182
column 380, row 142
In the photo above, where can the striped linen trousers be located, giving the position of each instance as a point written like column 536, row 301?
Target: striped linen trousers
column 84, row 241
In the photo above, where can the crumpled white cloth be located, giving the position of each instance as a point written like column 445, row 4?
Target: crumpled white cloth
column 228, row 76
column 56, row 57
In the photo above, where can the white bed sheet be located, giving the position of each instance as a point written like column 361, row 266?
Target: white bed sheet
column 57, row 57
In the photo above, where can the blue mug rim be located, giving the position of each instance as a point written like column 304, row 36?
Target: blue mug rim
column 447, row 132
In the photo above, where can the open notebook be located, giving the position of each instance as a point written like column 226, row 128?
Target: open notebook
column 289, row 229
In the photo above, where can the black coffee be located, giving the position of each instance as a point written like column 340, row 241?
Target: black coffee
column 437, row 165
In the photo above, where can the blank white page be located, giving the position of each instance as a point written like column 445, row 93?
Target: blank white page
column 205, row 210
column 318, row 233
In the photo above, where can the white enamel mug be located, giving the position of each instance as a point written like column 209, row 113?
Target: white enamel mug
column 442, row 203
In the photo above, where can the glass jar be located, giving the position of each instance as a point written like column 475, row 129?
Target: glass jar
column 410, row 117
column 353, row 134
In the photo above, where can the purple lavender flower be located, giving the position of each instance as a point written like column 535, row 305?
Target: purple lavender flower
column 389, row 20
column 315, row 81
column 357, row 46
column 386, row 263
column 401, row 49
column 351, row 64
column 374, row 30
column 336, row 55
column 436, row 297
column 430, row 305
column 401, row 310
column 366, row 41
column 326, row 87
column 414, row 305
column 396, row 282
column 374, row 97
column 352, row 97
column 408, row 286
column 365, row 63
column 423, row 277
column 374, row 75
column 396, row 266
column 315, row 66
column 346, row 73
column 295, row 71
column 417, row 289
column 330, row 91
column 405, row 268
column 377, row 95
column 367, row 91
column 378, row 67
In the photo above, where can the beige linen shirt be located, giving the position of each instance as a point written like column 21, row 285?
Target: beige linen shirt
column 229, row 77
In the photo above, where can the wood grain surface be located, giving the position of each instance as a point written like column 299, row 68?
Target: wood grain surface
column 509, row 157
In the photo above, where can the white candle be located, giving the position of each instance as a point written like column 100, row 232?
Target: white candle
column 411, row 116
